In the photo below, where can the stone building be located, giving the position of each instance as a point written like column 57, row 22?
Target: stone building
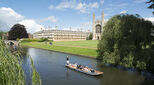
column 5, row 36
column 97, row 27
column 30, row 35
column 61, row 35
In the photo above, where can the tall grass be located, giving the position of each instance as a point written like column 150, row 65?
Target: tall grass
column 11, row 72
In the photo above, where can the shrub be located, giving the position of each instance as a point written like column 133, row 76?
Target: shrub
column 29, row 40
column 43, row 40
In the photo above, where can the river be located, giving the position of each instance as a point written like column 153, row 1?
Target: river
column 51, row 67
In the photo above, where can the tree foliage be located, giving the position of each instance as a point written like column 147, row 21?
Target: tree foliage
column 151, row 2
column 43, row 40
column 1, row 34
column 18, row 31
column 90, row 37
column 127, row 40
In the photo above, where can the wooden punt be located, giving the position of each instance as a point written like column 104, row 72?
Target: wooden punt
column 95, row 73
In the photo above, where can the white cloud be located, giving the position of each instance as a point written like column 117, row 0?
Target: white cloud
column 140, row 1
column 116, row 5
column 66, row 4
column 123, row 12
column 31, row 25
column 73, row 4
column 8, row 17
column 51, row 18
column 94, row 5
column 150, row 19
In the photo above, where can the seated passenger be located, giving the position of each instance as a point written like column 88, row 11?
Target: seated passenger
column 92, row 70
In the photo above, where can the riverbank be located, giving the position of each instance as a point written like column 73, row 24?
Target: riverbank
column 81, row 51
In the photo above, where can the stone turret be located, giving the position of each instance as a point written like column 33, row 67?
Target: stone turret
column 93, row 28
column 102, row 19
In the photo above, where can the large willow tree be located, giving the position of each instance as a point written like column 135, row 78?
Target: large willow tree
column 127, row 40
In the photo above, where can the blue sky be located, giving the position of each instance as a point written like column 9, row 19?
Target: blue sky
column 65, row 13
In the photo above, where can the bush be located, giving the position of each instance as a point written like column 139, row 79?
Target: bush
column 90, row 37
column 29, row 40
column 43, row 40
column 17, row 39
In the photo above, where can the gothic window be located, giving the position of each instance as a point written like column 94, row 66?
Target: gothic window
column 98, row 28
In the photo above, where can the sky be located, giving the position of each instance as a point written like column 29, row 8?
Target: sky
column 65, row 14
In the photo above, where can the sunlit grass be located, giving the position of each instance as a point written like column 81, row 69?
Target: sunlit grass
column 73, row 50
column 83, row 43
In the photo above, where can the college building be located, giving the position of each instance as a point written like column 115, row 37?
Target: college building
column 61, row 35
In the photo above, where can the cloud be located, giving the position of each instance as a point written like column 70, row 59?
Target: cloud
column 51, row 18
column 123, row 12
column 31, row 25
column 140, row 1
column 150, row 19
column 8, row 17
column 115, row 5
column 79, row 6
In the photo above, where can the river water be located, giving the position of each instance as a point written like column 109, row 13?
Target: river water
column 51, row 67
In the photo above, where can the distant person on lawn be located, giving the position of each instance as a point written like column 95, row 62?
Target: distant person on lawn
column 50, row 43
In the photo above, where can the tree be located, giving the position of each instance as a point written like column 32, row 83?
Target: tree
column 18, row 31
column 1, row 34
column 127, row 41
column 151, row 2
column 90, row 37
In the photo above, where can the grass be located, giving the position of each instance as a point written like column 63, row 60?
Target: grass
column 84, row 43
column 11, row 72
column 84, row 48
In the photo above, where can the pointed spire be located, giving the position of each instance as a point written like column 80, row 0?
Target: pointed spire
column 102, row 17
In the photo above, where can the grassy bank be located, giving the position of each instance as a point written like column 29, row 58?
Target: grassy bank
column 64, row 46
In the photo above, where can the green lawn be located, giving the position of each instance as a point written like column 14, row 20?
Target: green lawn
column 64, row 46
column 83, row 43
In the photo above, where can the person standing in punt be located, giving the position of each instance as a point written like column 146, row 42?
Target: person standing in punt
column 67, row 60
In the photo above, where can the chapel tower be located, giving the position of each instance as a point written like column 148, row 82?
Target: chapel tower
column 97, row 27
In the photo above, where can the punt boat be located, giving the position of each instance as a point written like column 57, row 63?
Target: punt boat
column 95, row 73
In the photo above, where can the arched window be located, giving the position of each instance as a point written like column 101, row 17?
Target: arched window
column 98, row 28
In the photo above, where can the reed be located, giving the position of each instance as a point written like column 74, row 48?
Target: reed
column 11, row 71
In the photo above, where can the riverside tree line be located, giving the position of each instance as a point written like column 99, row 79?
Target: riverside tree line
column 128, row 40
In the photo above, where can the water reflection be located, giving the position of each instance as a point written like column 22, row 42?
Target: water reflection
column 51, row 67
column 67, row 73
